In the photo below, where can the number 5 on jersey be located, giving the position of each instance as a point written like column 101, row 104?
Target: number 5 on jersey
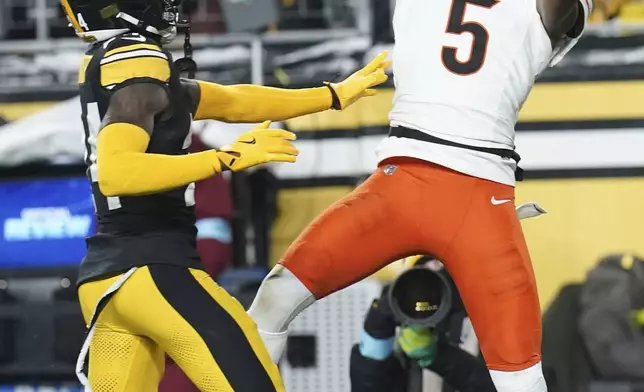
column 480, row 38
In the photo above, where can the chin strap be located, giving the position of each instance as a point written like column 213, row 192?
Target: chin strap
column 186, row 64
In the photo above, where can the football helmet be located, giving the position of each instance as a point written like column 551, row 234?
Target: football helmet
column 99, row 20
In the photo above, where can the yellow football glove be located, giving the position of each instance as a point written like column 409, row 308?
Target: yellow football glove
column 261, row 145
column 359, row 84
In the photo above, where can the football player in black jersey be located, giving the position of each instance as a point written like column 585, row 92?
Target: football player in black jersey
column 142, row 290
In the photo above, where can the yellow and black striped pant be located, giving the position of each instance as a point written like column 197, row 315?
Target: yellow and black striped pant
column 184, row 313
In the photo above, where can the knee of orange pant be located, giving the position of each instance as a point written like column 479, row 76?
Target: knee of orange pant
column 509, row 350
column 313, row 266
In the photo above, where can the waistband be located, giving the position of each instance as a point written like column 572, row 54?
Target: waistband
column 409, row 133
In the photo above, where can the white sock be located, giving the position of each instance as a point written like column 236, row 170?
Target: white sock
column 275, row 344
column 280, row 298
column 526, row 380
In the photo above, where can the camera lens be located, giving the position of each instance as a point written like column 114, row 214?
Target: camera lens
column 418, row 293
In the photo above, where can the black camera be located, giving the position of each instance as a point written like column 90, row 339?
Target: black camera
column 422, row 295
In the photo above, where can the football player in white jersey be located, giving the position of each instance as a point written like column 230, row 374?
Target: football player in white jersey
column 445, row 181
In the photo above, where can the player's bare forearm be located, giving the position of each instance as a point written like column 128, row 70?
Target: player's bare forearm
column 561, row 17
column 245, row 103
column 137, row 104
column 124, row 167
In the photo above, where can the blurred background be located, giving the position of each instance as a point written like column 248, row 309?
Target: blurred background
column 581, row 136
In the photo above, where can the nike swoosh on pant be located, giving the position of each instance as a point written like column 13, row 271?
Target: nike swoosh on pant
column 496, row 202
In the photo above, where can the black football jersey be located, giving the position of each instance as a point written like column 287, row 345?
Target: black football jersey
column 137, row 230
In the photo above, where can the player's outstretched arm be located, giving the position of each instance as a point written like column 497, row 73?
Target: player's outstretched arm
column 125, row 169
column 250, row 103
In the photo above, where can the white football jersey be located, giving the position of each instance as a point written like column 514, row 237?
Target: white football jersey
column 462, row 71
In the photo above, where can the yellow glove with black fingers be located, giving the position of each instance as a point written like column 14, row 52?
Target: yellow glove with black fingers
column 359, row 84
column 261, row 145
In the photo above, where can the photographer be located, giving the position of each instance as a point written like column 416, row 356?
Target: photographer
column 379, row 364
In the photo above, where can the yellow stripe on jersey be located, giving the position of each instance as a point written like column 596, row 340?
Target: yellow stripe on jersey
column 119, row 71
column 83, row 69
column 130, row 48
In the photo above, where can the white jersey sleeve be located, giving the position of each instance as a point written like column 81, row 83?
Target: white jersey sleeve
column 567, row 43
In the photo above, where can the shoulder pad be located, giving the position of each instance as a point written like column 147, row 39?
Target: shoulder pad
column 133, row 57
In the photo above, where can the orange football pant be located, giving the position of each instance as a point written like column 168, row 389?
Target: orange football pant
column 409, row 207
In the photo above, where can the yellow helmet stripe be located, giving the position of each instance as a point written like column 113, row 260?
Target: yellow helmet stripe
column 70, row 14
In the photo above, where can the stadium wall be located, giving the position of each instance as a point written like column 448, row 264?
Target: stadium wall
column 581, row 145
